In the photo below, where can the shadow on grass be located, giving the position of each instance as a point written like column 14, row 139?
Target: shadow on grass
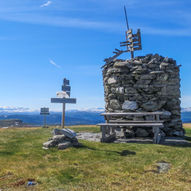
column 122, row 153
column 169, row 141
column 187, row 138
column 6, row 153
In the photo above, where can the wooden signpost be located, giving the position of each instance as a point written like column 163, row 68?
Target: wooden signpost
column 64, row 97
column 44, row 111
column 133, row 43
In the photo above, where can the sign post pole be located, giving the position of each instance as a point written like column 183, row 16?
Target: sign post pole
column 44, row 111
column 64, row 97
column 63, row 114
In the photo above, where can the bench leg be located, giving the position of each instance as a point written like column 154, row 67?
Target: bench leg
column 108, row 130
column 103, row 131
column 159, row 135
column 113, row 130
column 107, row 135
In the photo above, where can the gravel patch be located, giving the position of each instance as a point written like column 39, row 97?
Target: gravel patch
column 173, row 141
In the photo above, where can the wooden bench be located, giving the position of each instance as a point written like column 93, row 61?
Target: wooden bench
column 113, row 122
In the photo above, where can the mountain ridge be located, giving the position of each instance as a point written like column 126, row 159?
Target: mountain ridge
column 73, row 117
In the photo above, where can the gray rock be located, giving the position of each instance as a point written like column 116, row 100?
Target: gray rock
column 64, row 145
column 153, row 105
column 141, row 133
column 59, row 138
column 121, row 64
column 119, row 133
column 114, row 104
column 163, row 167
column 112, row 80
column 67, row 132
column 130, row 105
column 129, row 133
column 49, row 144
column 178, row 133
column 157, row 72
column 120, row 90
column 147, row 77
column 109, row 138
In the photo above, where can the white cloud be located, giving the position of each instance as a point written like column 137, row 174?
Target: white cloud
column 186, row 101
column 48, row 3
column 54, row 64
column 177, row 16
column 10, row 109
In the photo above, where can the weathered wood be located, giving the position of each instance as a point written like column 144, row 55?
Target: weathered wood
column 103, row 130
column 130, row 41
column 131, row 121
column 129, row 31
column 136, row 48
column 133, row 113
column 66, row 82
column 157, row 117
column 63, row 100
column 44, row 111
column 63, row 114
column 159, row 135
column 132, row 124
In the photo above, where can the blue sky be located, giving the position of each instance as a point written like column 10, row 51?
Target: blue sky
column 41, row 42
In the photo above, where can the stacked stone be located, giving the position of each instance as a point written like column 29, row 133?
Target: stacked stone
column 145, row 84
column 62, row 139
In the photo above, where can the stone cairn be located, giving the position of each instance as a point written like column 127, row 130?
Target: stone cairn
column 62, row 139
column 145, row 84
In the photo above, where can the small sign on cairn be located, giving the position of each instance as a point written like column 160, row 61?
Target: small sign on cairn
column 133, row 43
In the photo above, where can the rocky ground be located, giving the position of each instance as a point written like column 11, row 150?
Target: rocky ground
column 95, row 137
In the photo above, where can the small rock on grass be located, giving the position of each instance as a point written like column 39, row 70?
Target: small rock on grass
column 163, row 167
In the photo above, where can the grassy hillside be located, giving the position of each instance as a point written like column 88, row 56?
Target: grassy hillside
column 93, row 167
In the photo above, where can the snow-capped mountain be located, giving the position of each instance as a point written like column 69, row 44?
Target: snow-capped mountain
column 188, row 109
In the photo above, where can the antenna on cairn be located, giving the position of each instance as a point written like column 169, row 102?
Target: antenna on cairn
column 126, row 18
column 133, row 43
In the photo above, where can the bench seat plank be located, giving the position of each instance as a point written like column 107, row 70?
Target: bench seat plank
column 133, row 113
column 131, row 124
column 131, row 121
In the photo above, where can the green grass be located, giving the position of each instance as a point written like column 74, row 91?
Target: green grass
column 93, row 167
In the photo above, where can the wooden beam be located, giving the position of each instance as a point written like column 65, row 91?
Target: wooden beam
column 63, row 100
column 134, row 113
column 132, row 124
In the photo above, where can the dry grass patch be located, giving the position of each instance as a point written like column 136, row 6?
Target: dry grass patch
column 187, row 125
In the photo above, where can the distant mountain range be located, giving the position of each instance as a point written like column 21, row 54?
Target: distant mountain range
column 73, row 117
